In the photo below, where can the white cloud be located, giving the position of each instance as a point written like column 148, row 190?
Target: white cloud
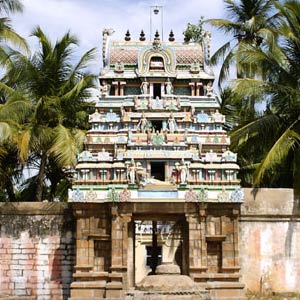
column 86, row 19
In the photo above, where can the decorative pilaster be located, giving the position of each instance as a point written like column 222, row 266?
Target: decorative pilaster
column 197, row 242
column 199, row 85
column 192, row 86
column 122, row 86
column 115, row 84
column 119, row 248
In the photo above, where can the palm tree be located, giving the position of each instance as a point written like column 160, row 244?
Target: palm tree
column 10, row 6
column 56, row 91
column 279, row 128
column 250, row 22
column 7, row 33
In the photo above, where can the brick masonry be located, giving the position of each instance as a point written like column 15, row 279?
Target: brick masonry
column 36, row 250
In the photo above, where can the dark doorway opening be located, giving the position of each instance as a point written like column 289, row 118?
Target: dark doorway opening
column 156, row 90
column 158, row 170
column 156, row 125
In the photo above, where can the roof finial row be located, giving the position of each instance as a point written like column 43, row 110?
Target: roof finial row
column 143, row 36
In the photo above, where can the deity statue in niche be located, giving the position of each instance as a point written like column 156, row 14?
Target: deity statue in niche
column 149, row 135
column 169, row 87
column 124, row 115
column 104, row 88
column 131, row 172
column 209, row 89
column 183, row 172
column 172, row 124
column 142, row 125
column 144, row 87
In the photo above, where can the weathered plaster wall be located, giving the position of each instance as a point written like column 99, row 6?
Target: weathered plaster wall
column 270, row 240
column 36, row 250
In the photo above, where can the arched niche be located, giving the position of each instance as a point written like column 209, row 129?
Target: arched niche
column 162, row 59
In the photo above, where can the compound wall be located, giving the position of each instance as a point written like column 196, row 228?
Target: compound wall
column 270, row 240
column 36, row 251
column 37, row 246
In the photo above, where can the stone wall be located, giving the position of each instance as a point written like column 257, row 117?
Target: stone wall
column 37, row 246
column 36, row 250
column 270, row 240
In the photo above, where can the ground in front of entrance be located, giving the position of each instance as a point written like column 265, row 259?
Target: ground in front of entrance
column 292, row 296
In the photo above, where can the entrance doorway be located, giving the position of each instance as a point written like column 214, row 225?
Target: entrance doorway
column 159, row 241
column 158, row 170
column 156, row 90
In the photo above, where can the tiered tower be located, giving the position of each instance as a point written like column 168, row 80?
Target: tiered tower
column 157, row 127
column 156, row 152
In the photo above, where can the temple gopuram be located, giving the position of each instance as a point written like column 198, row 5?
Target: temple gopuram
column 156, row 195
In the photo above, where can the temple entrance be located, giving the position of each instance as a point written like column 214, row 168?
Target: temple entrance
column 158, row 170
column 156, row 90
column 159, row 242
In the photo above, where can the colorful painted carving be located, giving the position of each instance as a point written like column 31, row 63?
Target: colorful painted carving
column 156, row 125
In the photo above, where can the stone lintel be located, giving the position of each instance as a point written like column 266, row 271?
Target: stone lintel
column 215, row 238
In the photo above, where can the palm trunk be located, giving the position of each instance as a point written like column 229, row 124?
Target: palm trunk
column 296, row 172
column 40, row 178
column 10, row 190
column 251, row 107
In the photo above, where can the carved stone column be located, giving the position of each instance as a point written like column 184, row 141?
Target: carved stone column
column 122, row 86
column 235, row 215
column 198, row 87
column 119, row 248
column 115, row 84
column 192, row 86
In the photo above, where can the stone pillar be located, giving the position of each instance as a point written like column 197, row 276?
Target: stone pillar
column 192, row 86
column 119, row 248
column 235, row 216
column 115, row 84
column 167, row 172
column 91, row 276
column 198, row 86
column 122, row 86
column 197, row 243
column 130, row 255
column 151, row 89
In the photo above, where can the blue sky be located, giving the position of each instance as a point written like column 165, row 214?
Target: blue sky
column 87, row 18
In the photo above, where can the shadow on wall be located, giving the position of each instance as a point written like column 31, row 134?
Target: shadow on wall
column 63, row 257
column 292, row 223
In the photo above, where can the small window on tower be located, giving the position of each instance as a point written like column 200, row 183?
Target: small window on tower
column 156, row 63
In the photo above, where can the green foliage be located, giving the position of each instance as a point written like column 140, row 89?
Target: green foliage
column 249, row 22
column 194, row 32
column 10, row 6
column 269, row 144
column 46, row 125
